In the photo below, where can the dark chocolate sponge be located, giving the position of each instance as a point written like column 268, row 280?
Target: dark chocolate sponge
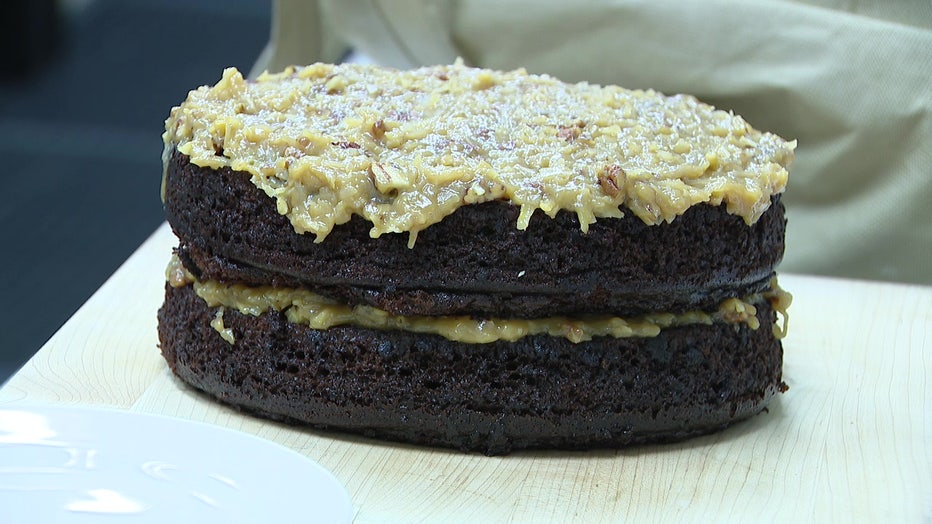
column 538, row 392
column 475, row 261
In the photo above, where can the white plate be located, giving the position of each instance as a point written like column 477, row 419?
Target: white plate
column 76, row 465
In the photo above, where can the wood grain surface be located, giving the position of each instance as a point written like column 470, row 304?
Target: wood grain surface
column 850, row 440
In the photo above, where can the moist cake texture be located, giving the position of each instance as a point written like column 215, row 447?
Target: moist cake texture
column 538, row 392
column 640, row 305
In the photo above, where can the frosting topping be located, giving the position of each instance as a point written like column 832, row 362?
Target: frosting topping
column 404, row 149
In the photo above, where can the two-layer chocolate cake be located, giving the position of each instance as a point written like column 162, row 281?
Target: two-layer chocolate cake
column 471, row 258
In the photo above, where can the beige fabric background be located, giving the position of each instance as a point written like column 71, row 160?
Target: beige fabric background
column 851, row 81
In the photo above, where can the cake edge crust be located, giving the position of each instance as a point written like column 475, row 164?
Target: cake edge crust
column 402, row 387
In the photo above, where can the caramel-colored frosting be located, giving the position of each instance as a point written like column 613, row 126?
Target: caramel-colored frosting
column 305, row 307
column 317, row 312
column 404, row 149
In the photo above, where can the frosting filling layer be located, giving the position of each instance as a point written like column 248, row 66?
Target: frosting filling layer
column 317, row 312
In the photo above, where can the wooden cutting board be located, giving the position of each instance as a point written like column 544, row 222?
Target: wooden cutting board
column 850, row 441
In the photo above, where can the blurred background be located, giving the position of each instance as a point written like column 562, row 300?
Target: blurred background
column 85, row 87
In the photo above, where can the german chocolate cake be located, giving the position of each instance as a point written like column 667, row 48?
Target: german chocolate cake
column 474, row 259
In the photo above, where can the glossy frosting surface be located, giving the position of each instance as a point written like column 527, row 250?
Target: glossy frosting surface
column 404, row 149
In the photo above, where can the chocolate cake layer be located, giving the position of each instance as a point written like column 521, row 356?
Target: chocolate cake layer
column 537, row 392
column 475, row 261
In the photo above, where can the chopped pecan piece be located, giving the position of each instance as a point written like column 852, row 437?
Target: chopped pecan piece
column 378, row 129
column 609, row 179
column 571, row 133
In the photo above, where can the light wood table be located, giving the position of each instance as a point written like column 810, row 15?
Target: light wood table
column 850, row 441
